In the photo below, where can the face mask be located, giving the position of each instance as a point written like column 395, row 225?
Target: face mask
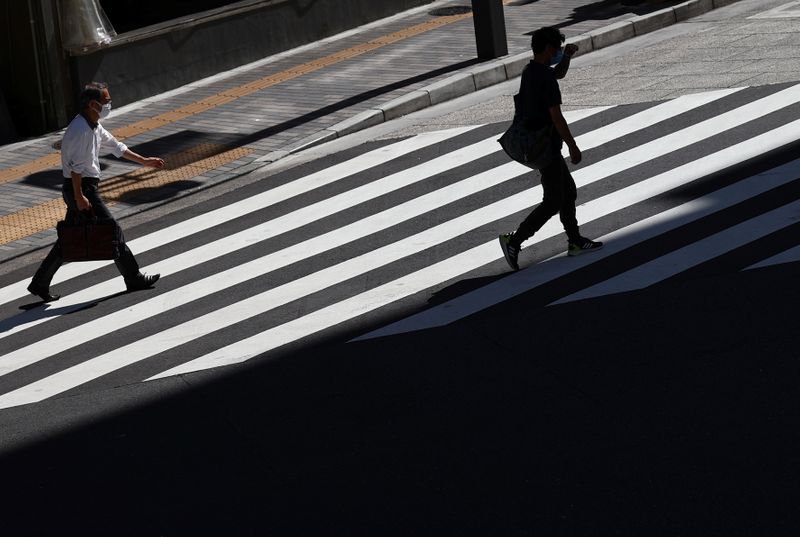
column 105, row 110
column 557, row 57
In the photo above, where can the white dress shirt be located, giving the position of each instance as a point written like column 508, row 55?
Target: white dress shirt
column 81, row 145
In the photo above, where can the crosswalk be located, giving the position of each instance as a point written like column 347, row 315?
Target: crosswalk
column 354, row 247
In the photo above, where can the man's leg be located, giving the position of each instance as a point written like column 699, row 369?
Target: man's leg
column 126, row 263
column 511, row 243
column 551, row 203
column 40, row 284
column 569, row 195
column 576, row 244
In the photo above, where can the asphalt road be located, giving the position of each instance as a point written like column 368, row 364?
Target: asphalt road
column 647, row 389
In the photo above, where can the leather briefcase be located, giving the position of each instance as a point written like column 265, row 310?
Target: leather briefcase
column 88, row 238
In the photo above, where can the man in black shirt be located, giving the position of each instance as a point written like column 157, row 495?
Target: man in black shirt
column 538, row 105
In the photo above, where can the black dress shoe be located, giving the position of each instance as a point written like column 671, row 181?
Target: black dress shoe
column 142, row 281
column 42, row 293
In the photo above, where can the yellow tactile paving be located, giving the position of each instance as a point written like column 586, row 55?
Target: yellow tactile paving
column 226, row 96
column 32, row 220
column 42, row 163
column 180, row 167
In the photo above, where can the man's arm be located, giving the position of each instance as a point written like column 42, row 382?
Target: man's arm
column 80, row 200
column 563, row 129
column 76, row 153
column 153, row 162
column 563, row 66
column 119, row 149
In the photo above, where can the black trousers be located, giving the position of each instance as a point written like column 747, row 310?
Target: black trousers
column 560, row 194
column 126, row 263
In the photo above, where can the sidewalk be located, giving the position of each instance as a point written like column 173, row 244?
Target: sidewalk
column 234, row 123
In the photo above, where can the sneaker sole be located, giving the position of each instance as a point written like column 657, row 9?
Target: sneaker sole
column 573, row 253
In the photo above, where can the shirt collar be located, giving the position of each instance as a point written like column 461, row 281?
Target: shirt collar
column 91, row 123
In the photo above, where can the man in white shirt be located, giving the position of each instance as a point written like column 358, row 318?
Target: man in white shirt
column 83, row 140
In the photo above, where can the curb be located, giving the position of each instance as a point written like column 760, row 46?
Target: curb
column 497, row 71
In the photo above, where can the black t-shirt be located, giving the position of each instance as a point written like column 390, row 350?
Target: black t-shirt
column 538, row 92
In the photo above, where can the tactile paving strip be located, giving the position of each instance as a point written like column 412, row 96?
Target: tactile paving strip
column 181, row 166
column 42, row 163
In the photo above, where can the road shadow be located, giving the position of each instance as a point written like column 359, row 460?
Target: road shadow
column 448, row 432
column 461, row 287
column 444, row 434
column 611, row 9
column 669, row 410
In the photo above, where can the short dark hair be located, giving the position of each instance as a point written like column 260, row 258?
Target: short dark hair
column 547, row 35
column 93, row 91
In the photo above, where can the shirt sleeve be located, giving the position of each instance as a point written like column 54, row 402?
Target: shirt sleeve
column 552, row 93
column 76, row 151
column 108, row 142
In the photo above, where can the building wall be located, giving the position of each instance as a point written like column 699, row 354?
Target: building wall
column 141, row 64
column 18, row 67
column 158, row 58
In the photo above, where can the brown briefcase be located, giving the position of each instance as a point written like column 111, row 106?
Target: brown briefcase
column 88, row 238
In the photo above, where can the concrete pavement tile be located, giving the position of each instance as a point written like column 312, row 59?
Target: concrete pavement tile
column 609, row 97
column 773, row 78
column 782, row 52
column 761, row 41
column 762, row 67
column 692, row 68
column 761, row 27
column 710, row 41
column 622, row 83
column 792, row 39
column 706, row 81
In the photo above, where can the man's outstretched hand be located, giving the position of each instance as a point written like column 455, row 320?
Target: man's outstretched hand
column 153, row 162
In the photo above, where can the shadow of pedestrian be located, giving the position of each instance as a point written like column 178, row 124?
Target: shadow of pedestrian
column 154, row 194
column 50, row 179
column 461, row 287
column 51, row 309
column 612, row 9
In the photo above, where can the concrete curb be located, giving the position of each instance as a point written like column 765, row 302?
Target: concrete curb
column 497, row 71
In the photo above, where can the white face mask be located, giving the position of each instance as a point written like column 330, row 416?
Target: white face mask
column 105, row 110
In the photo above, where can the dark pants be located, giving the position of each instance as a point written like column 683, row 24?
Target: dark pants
column 560, row 194
column 126, row 263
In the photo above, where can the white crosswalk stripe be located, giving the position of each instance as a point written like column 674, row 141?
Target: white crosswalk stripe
column 270, row 197
column 684, row 258
column 508, row 288
column 445, row 187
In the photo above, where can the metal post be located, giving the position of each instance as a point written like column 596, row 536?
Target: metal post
column 40, row 86
column 490, row 28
